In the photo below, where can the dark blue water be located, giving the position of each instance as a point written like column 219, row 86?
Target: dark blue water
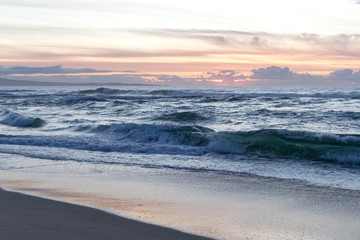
column 312, row 134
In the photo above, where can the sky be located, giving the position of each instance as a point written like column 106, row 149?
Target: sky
column 188, row 42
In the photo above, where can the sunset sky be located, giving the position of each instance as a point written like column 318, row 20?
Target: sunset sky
column 198, row 42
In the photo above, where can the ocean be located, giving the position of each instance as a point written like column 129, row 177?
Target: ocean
column 310, row 134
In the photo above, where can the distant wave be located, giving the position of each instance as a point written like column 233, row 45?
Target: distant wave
column 103, row 91
column 232, row 96
column 207, row 95
column 204, row 95
column 100, row 98
column 284, row 96
column 18, row 120
column 340, row 115
column 186, row 116
column 75, row 99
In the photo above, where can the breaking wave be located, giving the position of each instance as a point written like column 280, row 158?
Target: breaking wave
column 199, row 140
column 18, row 120
column 273, row 143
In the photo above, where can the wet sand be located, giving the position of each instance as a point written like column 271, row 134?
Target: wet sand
column 28, row 217
column 213, row 204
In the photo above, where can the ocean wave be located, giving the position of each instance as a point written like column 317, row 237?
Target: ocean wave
column 199, row 140
column 268, row 143
column 161, row 134
column 182, row 117
column 118, row 103
column 290, row 96
column 289, row 144
column 204, row 96
column 236, row 99
column 185, row 93
column 232, row 96
column 162, row 92
column 76, row 99
column 13, row 92
column 100, row 144
column 344, row 114
column 279, row 113
column 127, row 137
column 102, row 90
column 102, row 98
column 18, row 120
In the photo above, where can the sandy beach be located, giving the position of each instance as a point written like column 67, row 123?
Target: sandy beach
column 28, row 217
column 216, row 205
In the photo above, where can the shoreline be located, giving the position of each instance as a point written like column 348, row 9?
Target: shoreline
column 219, row 206
column 29, row 217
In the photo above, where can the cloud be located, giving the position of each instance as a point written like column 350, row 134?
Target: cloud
column 114, row 78
column 218, row 38
column 226, row 77
column 283, row 76
column 140, row 54
column 58, row 69
column 345, row 75
column 303, row 42
column 273, row 75
column 189, row 47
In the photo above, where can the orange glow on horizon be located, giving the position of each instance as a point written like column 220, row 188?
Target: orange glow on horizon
column 182, row 65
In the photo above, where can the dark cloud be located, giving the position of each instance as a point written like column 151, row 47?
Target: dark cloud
column 58, row 69
column 216, row 40
column 357, row 75
column 283, row 76
column 345, row 75
column 265, row 76
column 228, row 72
column 272, row 73
column 258, row 41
